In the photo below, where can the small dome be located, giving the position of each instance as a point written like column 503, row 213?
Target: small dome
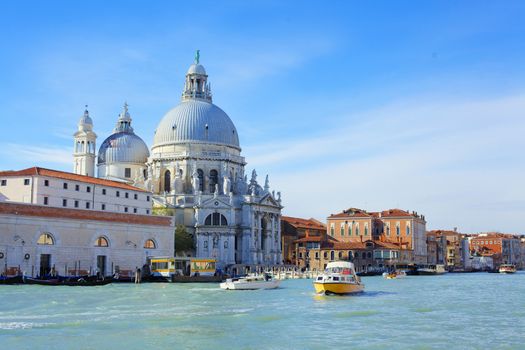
column 196, row 69
column 123, row 147
column 196, row 121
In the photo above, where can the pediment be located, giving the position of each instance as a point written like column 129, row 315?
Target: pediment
column 269, row 200
column 217, row 203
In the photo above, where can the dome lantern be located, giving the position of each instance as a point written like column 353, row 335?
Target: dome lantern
column 196, row 85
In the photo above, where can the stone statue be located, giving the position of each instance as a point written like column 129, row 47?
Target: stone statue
column 215, row 241
column 195, row 181
column 226, row 185
column 177, row 181
column 197, row 56
column 216, row 192
column 266, row 184
column 254, row 177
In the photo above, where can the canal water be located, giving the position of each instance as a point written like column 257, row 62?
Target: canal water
column 453, row 311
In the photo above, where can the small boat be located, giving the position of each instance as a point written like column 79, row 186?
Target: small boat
column 339, row 277
column 251, row 282
column 394, row 274
column 431, row 270
column 507, row 268
column 73, row 281
column 11, row 280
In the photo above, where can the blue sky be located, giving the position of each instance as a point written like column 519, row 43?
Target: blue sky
column 378, row 104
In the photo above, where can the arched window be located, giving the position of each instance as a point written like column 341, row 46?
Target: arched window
column 350, row 255
column 366, row 230
column 200, row 174
column 397, row 230
column 325, row 255
column 214, row 178
column 342, row 229
column 167, row 181
column 357, row 230
column 388, row 230
column 332, row 229
column 364, row 255
column 332, row 256
column 101, row 242
column 216, row 219
column 150, row 244
column 340, row 255
column 408, row 230
column 369, row 255
column 45, row 239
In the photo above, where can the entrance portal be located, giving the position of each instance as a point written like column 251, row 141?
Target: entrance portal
column 45, row 264
column 101, row 264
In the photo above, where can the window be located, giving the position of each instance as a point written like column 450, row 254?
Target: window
column 45, row 239
column 104, row 191
column 147, row 211
column 46, row 200
column 317, row 255
column 300, row 255
column 397, row 230
column 135, row 210
column 76, row 204
column 325, row 255
column 88, row 189
column 135, row 196
column 101, row 242
column 332, row 255
column 65, row 186
column 87, row 205
column 350, row 229
column 332, row 229
column 147, row 198
column 340, row 255
column 200, row 175
column 214, row 177
column 126, row 195
column 127, row 172
column 216, row 219
column 3, row 183
column 357, row 230
column 46, row 183
column 388, row 230
column 64, row 202
column 363, row 255
column 26, row 182
column 118, row 193
column 167, row 181
column 342, row 229
column 103, row 207
column 366, row 230
column 125, row 209
column 77, row 188
column 408, row 230
column 150, row 244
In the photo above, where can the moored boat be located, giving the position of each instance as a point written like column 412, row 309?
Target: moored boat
column 507, row 268
column 251, row 282
column 394, row 274
column 88, row 281
column 339, row 277
column 11, row 279
column 437, row 269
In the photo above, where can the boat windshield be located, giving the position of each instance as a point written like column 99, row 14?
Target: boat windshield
column 341, row 270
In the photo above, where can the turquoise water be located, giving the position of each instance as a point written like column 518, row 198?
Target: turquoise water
column 454, row 311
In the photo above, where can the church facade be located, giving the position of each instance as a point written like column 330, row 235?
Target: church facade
column 196, row 169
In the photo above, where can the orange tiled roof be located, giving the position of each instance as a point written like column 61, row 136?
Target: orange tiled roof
column 351, row 212
column 304, row 223
column 69, row 176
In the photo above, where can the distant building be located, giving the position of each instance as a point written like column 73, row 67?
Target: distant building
column 503, row 248
column 449, row 244
column 406, row 230
column 311, row 231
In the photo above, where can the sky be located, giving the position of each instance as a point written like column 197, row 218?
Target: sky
column 417, row 105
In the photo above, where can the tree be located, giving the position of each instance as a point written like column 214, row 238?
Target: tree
column 183, row 240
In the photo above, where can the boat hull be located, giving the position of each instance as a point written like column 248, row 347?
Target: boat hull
column 250, row 285
column 338, row 288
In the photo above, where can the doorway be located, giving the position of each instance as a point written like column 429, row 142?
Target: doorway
column 101, row 264
column 45, row 264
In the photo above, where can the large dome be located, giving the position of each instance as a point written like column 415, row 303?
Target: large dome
column 196, row 120
column 123, row 147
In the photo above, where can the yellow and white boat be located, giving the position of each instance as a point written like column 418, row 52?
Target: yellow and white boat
column 507, row 268
column 339, row 277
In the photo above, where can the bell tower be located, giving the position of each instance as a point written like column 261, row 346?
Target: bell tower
column 84, row 148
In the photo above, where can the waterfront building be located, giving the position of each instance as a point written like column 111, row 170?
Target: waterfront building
column 436, row 248
column 55, row 188
column 450, row 245
column 298, row 236
column 504, row 248
column 34, row 239
column 403, row 228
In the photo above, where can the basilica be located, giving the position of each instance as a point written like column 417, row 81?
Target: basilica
column 195, row 168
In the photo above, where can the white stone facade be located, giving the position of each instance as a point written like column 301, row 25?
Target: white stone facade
column 59, row 189
column 74, row 244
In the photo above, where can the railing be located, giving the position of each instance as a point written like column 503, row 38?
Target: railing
column 204, row 154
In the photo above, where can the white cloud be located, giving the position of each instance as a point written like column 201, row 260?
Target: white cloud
column 21, row 155
column 458, row 162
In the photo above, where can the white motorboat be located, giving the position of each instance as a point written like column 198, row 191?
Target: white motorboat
column 251, row 282
column 437, row 269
